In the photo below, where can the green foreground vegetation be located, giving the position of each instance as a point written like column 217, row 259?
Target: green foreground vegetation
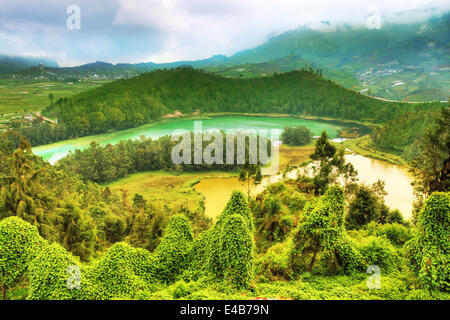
column 65, row 234
column 220, row 263
column 65, row 237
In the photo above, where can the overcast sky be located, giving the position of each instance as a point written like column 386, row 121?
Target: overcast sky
column 170, row 30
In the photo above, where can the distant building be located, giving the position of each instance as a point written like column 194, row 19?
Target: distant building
column 29, row 117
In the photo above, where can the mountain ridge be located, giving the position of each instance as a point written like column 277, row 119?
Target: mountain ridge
column 395, row 63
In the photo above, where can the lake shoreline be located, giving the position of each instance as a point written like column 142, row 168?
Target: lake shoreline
column 213, row 188
column 55, row 151
column 205, row 116
column 360, row 146
column 399, row 190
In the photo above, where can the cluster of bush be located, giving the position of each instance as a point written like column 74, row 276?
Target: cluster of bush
column 322, row 231
column 429, row 249
column 225, row 254
column 276, row 211
column 124, row 271
column 321, row 245
column 296, row 136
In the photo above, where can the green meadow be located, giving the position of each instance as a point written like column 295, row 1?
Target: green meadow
column 22, row 96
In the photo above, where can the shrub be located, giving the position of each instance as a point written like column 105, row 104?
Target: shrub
column 363, row 209
column 379, row 251
column 286, row 224
column 424, row 294
column 347, row 256
column 199, row 254
column 296, row 136
column 173, row 250
column 395, row 217
column 182, row 289
column 236, row 252
column 273, row 265
column 114, row 228
column 296, row 202
column 51, row 272
column 78, row 231
column 429, row 249
column 124, row 270
column 225, row 252
column 272, row 205
column 19, row 244
column 322, row 230
column 237, row 205
column 396, row 233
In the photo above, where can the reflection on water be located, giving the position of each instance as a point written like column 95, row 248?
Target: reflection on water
column 218, row 191
column 398, row 183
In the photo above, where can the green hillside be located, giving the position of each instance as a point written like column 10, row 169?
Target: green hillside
column 351, row 47
column 10, row 64
column 398, row 62
column 187, row 89
column 133, row 102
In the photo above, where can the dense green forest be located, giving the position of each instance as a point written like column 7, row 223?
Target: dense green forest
column 401, row 134
column 80, row 215
column 129, row 103
column 296, row 136
column 221, row 261
column 111, row 162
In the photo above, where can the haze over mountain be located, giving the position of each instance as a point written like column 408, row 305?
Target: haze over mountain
column 10, row 64
column 382, row 60
column 400, row 61
column 134, row 31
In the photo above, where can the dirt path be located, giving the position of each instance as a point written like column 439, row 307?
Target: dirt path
column 38, row 114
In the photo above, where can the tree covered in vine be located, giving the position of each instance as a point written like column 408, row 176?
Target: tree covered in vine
column 429, row 250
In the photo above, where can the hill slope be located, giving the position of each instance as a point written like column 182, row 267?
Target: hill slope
column 391, row 62
column 10, row 64
column 401, row 61
column 132, row 102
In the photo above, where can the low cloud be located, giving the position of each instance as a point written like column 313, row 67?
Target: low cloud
column 168, row 30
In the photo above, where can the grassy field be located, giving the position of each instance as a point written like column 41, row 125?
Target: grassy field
column 417, row 87
column 18, row 96
column 362, row 146
column 166, row 189
column 171, row 189
column 294, row 156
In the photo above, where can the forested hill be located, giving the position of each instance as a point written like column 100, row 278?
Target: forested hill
column 132, row 102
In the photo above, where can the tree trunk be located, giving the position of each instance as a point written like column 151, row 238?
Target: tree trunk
column 312, row 261
column 3, row 292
